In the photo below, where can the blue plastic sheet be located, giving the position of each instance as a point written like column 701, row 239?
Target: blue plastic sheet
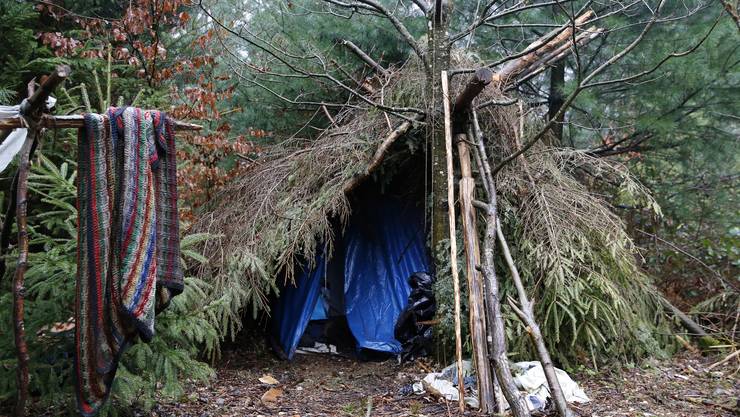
column 296, row 306
column 384, row 246
column 319, row 312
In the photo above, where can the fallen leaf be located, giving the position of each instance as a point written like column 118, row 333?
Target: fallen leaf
column 269, row 380
column 271, row 396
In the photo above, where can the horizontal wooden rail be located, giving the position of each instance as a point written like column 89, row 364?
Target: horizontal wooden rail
column 76, row 121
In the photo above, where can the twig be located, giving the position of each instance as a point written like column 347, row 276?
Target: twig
column 725, row 360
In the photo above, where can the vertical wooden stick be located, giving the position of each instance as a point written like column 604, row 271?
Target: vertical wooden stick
column 32, row 108
column 453, row 239
column 476, row 292
column 20, row 272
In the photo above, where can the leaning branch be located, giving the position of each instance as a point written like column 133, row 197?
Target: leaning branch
column 526, row 315
column 379, row 155
column 31, row 108
column 365, row 57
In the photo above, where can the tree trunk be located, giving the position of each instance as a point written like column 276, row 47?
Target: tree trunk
column 439, row 60
column 555, row 101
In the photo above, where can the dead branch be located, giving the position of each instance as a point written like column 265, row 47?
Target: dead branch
column 538, row 49
column 479, row 81
column 493, row 301
column 379, row 155
column 581, row 85
column 405, row 34
column 31, row 108
column 727, row 358
column 365, row 57
column 19, row 290
column 486, row 18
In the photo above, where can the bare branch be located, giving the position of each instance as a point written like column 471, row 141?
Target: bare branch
column 659, row 64
column 421, row 4
column 365, row 57
column 580, row 87
column 485, row 18
column 408, row 37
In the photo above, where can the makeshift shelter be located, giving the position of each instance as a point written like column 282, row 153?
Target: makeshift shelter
column 274, row 221
column 273, row 224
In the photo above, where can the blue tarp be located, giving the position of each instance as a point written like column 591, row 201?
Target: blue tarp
column 296, row 306
column 384, row 244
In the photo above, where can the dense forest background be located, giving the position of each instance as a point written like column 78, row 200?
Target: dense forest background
column 676, row 129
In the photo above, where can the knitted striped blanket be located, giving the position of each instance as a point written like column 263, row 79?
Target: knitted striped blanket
column 128, row 260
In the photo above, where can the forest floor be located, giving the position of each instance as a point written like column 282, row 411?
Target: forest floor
column 320, row 385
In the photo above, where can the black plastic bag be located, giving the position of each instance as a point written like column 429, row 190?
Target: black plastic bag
column 412, row 328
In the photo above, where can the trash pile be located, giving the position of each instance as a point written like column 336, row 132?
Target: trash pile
column 528, row 376
column 444, row 384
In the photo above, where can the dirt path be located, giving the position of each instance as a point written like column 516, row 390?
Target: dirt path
column 317, row 385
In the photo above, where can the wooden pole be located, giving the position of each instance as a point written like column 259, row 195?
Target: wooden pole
column 453, row 239
column 476, row 294
column 19, row 290
column 74, row 121
column 31, row 109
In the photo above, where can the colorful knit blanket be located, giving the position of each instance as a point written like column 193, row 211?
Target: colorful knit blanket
column 128, row 261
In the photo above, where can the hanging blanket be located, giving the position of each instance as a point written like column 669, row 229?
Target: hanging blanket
column 128, row 260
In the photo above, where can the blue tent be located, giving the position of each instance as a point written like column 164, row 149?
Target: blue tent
column 383, row 245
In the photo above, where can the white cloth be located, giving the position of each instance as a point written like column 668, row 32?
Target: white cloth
column 11, row 146
column 6, row 112
column 14, row 142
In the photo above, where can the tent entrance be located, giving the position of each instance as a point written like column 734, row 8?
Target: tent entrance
column 353, row 298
